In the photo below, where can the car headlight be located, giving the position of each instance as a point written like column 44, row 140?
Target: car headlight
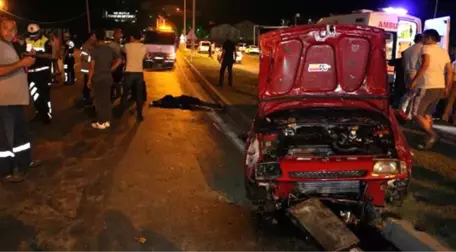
column 387, row 167
column 267, row 171
column 172, row 56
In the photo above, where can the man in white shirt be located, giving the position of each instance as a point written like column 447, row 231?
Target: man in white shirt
column 432, row 82
column 412, row 59
column 134, row 79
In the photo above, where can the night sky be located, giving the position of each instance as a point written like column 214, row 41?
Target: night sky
column 231, row 11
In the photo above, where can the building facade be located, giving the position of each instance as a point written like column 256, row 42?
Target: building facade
column 245, row 30
column 221, row 32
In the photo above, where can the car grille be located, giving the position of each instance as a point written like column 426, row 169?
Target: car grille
column 158, row 57
column 329, row 174
column 329, row 187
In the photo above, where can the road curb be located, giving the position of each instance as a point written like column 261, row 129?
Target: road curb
column 400, row 233
column 405, row 237
column 238, row 116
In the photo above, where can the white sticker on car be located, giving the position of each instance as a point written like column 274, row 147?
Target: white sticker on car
column 318, row 68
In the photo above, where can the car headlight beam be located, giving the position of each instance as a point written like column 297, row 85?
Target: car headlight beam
column 386, row 167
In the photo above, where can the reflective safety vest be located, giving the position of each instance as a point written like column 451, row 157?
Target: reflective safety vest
column 36, row 45
column 85, row 59
column 39, row 46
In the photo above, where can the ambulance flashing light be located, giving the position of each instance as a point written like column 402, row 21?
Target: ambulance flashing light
column 395, row 10
column 165, row 28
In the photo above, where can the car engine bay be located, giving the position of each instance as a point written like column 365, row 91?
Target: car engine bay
column 333, row 135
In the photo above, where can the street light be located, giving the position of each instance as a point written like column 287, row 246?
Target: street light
column 194, row 30
column 185, row 17
column 88, row 16
column 436, row 7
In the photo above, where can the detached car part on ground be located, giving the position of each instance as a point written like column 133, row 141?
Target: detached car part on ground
column 324, row 128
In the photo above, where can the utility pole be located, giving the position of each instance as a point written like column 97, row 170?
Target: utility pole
column 88, row 16
column 185, row 17
column 435, row 8
column 194, row 29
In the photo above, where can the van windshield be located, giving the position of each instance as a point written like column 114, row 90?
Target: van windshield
column 159, row 38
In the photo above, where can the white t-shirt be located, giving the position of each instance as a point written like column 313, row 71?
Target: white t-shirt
column 434, row 77
column 412, row 58
column 135, row 55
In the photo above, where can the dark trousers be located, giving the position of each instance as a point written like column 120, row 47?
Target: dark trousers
column 116, row 90
column 15, row 148
column 135, row 83
column 102, row 99
column 86, row 89
column 226, row 66
column 40, row 91
column 68, row 66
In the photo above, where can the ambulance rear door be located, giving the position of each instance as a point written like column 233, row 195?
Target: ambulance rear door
column 442, row 26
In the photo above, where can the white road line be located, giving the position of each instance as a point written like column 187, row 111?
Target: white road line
column 223, row 127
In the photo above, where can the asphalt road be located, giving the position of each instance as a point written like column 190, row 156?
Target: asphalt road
column 173, row 182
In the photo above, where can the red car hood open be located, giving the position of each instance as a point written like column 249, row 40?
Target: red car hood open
column 326, row 63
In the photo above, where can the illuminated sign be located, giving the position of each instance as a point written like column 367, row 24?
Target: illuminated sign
column 120, row 16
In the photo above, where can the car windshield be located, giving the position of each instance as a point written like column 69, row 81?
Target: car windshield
column 205, row 44
column 159, row 38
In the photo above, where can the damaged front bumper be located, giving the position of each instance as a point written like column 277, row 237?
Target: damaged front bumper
column 271, row 196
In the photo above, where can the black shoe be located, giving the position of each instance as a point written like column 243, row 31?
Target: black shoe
column 429, row 143
column 16, row 177
column 139, row 118
column 46, row 120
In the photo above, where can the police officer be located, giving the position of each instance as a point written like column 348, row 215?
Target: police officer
column 68, row 59
column 39, row 74
column 85, row 59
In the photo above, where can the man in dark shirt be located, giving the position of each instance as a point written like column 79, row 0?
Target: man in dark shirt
column 227, row 60
column 104, row 62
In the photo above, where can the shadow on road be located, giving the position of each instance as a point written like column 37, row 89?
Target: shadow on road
column 120, row 234
column 15, row 235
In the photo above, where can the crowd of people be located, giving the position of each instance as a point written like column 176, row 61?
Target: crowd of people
column 428, row 78
column 29, row 66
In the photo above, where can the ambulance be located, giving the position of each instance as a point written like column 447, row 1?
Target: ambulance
column 400, row 29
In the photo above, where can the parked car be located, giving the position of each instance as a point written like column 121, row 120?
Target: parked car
column 204, row 46
column 251, row 49
column 218, row 47
column 238, row 60
column 242, row 46
column 324, row 128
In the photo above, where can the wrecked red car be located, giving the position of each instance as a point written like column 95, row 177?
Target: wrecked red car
column 324, row 127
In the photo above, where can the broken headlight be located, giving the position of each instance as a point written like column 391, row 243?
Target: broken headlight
column 268, row 171
column 387, row 167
